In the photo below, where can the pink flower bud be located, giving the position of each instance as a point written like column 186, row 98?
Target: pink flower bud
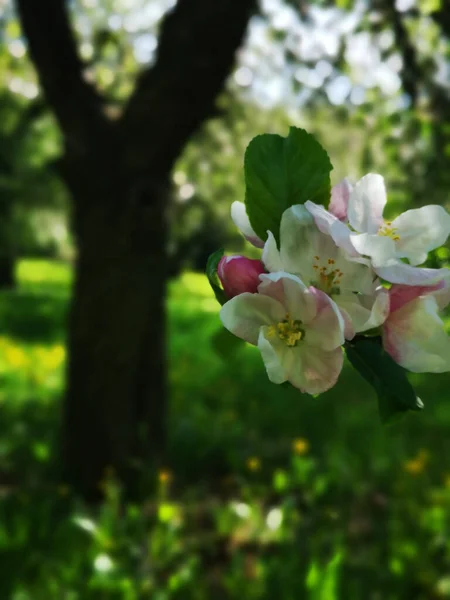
column 239, row 274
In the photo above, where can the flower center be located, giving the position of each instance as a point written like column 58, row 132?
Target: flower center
column 290, row 331
column 329, row 277
column 387, row 230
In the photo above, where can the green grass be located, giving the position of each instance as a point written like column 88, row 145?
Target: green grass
column 266, row 494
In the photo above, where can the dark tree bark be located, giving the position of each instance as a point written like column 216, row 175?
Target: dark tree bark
column 7, row 271
column 118, row 173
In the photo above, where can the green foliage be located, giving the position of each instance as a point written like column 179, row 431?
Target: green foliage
column 280, row 172
column 262, row 495
column 226, row 344
column 211, row 273
column 395, row 393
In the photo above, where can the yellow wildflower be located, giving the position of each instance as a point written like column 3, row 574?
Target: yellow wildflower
column 164, row 476
column 15, row 356
column 416, row 465
column 300, row 446
column 253, row 463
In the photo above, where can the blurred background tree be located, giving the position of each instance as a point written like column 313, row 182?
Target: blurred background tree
column 371, row 81
column 123, row 125
column 116, row 162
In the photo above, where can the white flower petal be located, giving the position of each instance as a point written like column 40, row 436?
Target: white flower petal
column 330, row 225
column 290, row 292
column 276, row 355
column 365, row 312
column 366, row 204
column 245, row 314
column 271, row 255
column 315, row 370
column 415, row 337
column 242, row 222
column 341, row 236
column 299, row 238
column 442, row 294
column 357, row 276
column 395, row 271
column 421, row 230
column 379, row 247
column 323, row 218
column 326, row 330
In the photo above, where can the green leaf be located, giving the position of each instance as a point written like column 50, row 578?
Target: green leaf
column 211, row 273
column 280, row 172
column 226, row 344
column 395, row 393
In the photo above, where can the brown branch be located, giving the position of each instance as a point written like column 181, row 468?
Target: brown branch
column 411, row 73
column 442, row 19
column 52, row 47
column 196, row 52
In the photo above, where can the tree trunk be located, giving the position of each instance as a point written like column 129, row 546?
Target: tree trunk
column 116, row 399
column 117, row 171
column 7, row 271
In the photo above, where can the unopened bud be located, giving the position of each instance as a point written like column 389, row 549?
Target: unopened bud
column 239, row 274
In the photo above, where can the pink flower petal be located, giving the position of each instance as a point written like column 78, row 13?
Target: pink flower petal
column 315, row 370
column 414, row 336
column 340, row 194
column 326, row 330
column 244, row 315
column 289, row 291
column 399, row 295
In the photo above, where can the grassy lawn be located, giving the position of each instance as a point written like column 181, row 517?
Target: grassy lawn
column 267, row 493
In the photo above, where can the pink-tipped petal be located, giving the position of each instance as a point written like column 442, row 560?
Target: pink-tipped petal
column 402, row 294
column 340, row 194
column 315, row 370
column 244, row 315
column 291, row 292
column 349, row 329
column 326, row 330
column 414, row 336
column 242, row 222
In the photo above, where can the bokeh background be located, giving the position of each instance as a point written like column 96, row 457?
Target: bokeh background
column 256, row 491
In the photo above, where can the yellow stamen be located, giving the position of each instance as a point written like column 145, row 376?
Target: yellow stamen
column 290, row 331
column 386, row 230
column 329, row 279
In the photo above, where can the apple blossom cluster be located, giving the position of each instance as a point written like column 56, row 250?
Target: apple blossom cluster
column 336, row 274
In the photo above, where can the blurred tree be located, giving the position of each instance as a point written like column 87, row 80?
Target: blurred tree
column 26, row 150
column 117, row 169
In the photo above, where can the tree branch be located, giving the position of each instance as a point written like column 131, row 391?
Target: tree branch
column 196, row 52
column 52, row 47
column 411, row 72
